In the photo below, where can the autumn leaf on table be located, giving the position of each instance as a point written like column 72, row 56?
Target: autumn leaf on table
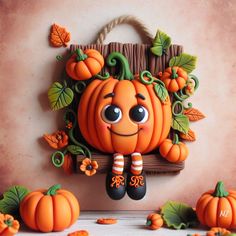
column 194, row 114
column 190, row 136
column 161, row 43
column 178, row 215
column 59, row 36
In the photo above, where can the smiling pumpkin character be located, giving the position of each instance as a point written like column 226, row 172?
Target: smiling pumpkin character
column 123, row 115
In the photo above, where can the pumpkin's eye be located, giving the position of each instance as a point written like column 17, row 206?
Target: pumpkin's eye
column 138, row 114
column 111, row 114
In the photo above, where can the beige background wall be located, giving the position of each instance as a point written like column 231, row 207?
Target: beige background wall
column 28, row 67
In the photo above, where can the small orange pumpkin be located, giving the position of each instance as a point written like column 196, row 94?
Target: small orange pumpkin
column 218, row 231
column 83, row 66
column 154, row 221
column 217, row 208
column 49, row 210
column 107, row 112
column 174, row 78
column 173, row 151
column 8, row 226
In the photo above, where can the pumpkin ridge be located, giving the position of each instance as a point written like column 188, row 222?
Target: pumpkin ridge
column 81, row 63
column 99, row 88
column 206, row 209
column 82, row 118
column 35, row 213
column 88, row 66
column 149, row 148
column 71, row 208
column 230, row 199
column 95, row 58
column 111, row 124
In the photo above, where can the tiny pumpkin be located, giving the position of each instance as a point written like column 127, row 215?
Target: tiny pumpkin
column 174, row 78
column 8, row 226
column 173, row 151
column 84, row 65
column 154, row 221
column 217, row 208
column 49, row 210
column 218, row 231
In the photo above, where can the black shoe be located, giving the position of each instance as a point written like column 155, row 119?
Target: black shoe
column 115, row 186
column 136, row 186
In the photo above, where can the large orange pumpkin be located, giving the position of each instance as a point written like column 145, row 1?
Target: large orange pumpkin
column 123, row 115
column 217, row 208
column 49, row 210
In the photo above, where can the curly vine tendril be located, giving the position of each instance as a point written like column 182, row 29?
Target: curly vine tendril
column 80, row 86
column 177, row 103
column 195, row 79
column 71, row 131
column 58, row 159
column 103, row 77
column 151, row 80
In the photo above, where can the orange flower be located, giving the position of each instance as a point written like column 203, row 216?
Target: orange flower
column 57, row 140
column 8, row 226
column 89, row 167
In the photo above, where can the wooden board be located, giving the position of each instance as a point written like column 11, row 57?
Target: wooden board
column 140, row 58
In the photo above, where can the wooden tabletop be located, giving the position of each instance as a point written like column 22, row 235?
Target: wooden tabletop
column 130, row 223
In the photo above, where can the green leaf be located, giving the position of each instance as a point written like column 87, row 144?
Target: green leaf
column 185, row 61
column 161, row 43
column 11, row 200
column 180, row 123
column 161, row 92
column 178, row 215
column 59, row 96
column 76, row 150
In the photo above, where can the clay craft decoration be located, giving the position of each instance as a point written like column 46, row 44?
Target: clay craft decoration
column 123, row 102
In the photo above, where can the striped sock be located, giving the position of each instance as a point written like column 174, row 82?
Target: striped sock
column 118, row 164
column 137, row 163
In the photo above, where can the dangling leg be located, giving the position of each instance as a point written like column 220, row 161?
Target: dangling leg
column 115, row 181
column 136, row 181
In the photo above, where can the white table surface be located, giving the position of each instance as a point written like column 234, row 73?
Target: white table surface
column 130, row 223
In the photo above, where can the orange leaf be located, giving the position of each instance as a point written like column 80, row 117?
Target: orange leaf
column 190, row 136
column 193, row 114
column 59, row 36
column 51, row 140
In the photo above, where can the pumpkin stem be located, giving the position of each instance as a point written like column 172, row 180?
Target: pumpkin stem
column 53, row 190
column 8, row 222
column 175, row 139
column 220, row 190
column 80, row 55
column 124, row 72
column 174, row 73
column 148, row 223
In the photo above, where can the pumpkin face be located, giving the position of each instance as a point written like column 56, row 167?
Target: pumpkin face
column 174, row 78
column 154, row 221
column 123, row 116
column 82, row 66
column 49, row 210
column 217, row 208
column 173, row 151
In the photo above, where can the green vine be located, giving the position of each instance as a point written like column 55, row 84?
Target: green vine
column 124, row 73
column 71, row 132
column 103, row 77
column 58, row 158
column 79, row 87
column 175, row 104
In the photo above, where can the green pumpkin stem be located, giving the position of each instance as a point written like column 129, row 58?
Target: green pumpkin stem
column 220, row 190
column 124, row 73
column 80, row 56
column 53, row 190
column 8, row 222
column 148, row 223
column 174, row 75
column 175, row 139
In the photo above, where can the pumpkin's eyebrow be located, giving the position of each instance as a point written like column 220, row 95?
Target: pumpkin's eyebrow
column 109, row 95
column 139, row 95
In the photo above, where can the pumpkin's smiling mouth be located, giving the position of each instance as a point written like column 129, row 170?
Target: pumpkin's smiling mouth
column 125, row 135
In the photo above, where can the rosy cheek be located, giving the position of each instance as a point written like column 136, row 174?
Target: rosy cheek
column 146, row 127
